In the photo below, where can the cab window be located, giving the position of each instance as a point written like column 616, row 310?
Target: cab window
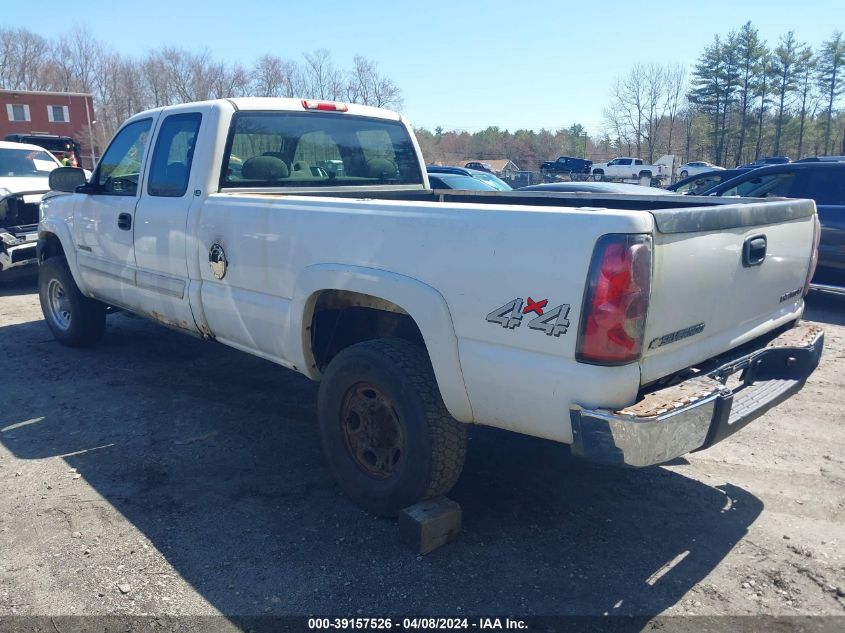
column 173, row 154
column 780, row 185
column 120, row 167
column 317, row 149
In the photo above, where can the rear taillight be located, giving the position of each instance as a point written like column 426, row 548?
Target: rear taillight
column 616, row 301
column 814, row 255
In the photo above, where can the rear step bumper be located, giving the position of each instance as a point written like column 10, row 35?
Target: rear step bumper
column 697, row 413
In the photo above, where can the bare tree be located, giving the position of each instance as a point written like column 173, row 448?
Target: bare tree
column 322, row 79
column 23, row 58
column 366, row 86
column 77, row 59
column 676, row 87
column 276, row 77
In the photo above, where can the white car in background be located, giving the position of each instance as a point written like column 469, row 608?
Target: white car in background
column 697, row 167
column 24, row 178
column 25, row 167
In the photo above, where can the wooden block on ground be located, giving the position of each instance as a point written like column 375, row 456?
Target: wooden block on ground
column 427, row 525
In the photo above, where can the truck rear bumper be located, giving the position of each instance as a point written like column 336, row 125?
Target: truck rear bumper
column 697, row 413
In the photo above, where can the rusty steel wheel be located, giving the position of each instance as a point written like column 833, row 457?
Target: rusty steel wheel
column 372, row 431
column 386, row 434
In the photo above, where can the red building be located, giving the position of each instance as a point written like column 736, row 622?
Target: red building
column 56, row 113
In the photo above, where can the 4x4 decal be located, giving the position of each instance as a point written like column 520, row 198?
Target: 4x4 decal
column 553, row 322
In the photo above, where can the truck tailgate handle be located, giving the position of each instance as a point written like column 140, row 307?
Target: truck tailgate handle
column 124, row 221
column 754, row 251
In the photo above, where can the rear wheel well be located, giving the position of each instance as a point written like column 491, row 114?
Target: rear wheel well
column 51, row 246
column 342, row 318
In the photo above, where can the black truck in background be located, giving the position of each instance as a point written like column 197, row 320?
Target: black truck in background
column 565, row 165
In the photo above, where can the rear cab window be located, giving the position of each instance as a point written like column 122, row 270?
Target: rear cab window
column 317, row 149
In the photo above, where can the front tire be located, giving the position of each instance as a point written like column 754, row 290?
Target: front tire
column 74, row 319
column 685, row 174
column 598, row 175
column 386, row 434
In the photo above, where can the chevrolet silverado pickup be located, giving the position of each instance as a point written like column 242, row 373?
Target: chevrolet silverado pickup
column 634, row 328
column 633, row 169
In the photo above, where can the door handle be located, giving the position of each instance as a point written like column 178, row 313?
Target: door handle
column 754, row 251
column 124, row 221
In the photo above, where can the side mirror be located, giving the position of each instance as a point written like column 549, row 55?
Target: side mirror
column 66, row 179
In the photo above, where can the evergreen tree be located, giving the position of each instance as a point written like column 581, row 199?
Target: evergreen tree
column 752, row 53
column 714, row 86
column 785, row 73
column 830, row 66
column 806, row 69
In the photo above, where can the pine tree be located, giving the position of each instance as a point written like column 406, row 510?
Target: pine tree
column 806, row 69
column 785, row 71
column 752, row 53
column 830, row 67
column 714, row 85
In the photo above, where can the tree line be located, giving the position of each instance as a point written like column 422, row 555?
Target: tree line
column 744, row 100
column 741, row 100
column 124, row 85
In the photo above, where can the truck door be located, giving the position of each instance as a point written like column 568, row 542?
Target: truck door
column 105, row 215
column 161, row 219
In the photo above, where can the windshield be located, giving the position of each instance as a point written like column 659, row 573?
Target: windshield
column 778, row 185
column 493, row 181
column 292, row 149
column 26, row 163
column 699, row 185
column 455, row 181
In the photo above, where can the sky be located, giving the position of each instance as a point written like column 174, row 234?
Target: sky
column 460, row 65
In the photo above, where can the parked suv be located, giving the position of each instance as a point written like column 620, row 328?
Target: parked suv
column 823, row 182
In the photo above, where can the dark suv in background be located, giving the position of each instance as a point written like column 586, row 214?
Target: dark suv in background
column 566, row 165
column 821, row 181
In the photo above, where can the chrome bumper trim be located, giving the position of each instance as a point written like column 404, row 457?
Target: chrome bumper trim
column 699, row 412
column 839, row 290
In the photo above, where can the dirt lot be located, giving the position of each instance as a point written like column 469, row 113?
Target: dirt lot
column 157, row 474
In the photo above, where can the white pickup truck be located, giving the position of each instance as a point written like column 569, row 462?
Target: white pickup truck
column 626, row 168
column 635, row 329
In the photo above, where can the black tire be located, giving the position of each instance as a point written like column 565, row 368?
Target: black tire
column 74, row 319
column 684, row 174
column 598, row 175
column 431, row 447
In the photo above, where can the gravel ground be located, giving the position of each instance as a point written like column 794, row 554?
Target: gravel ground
column 158, row 474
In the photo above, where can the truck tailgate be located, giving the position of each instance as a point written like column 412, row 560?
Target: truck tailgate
column 723, row 275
